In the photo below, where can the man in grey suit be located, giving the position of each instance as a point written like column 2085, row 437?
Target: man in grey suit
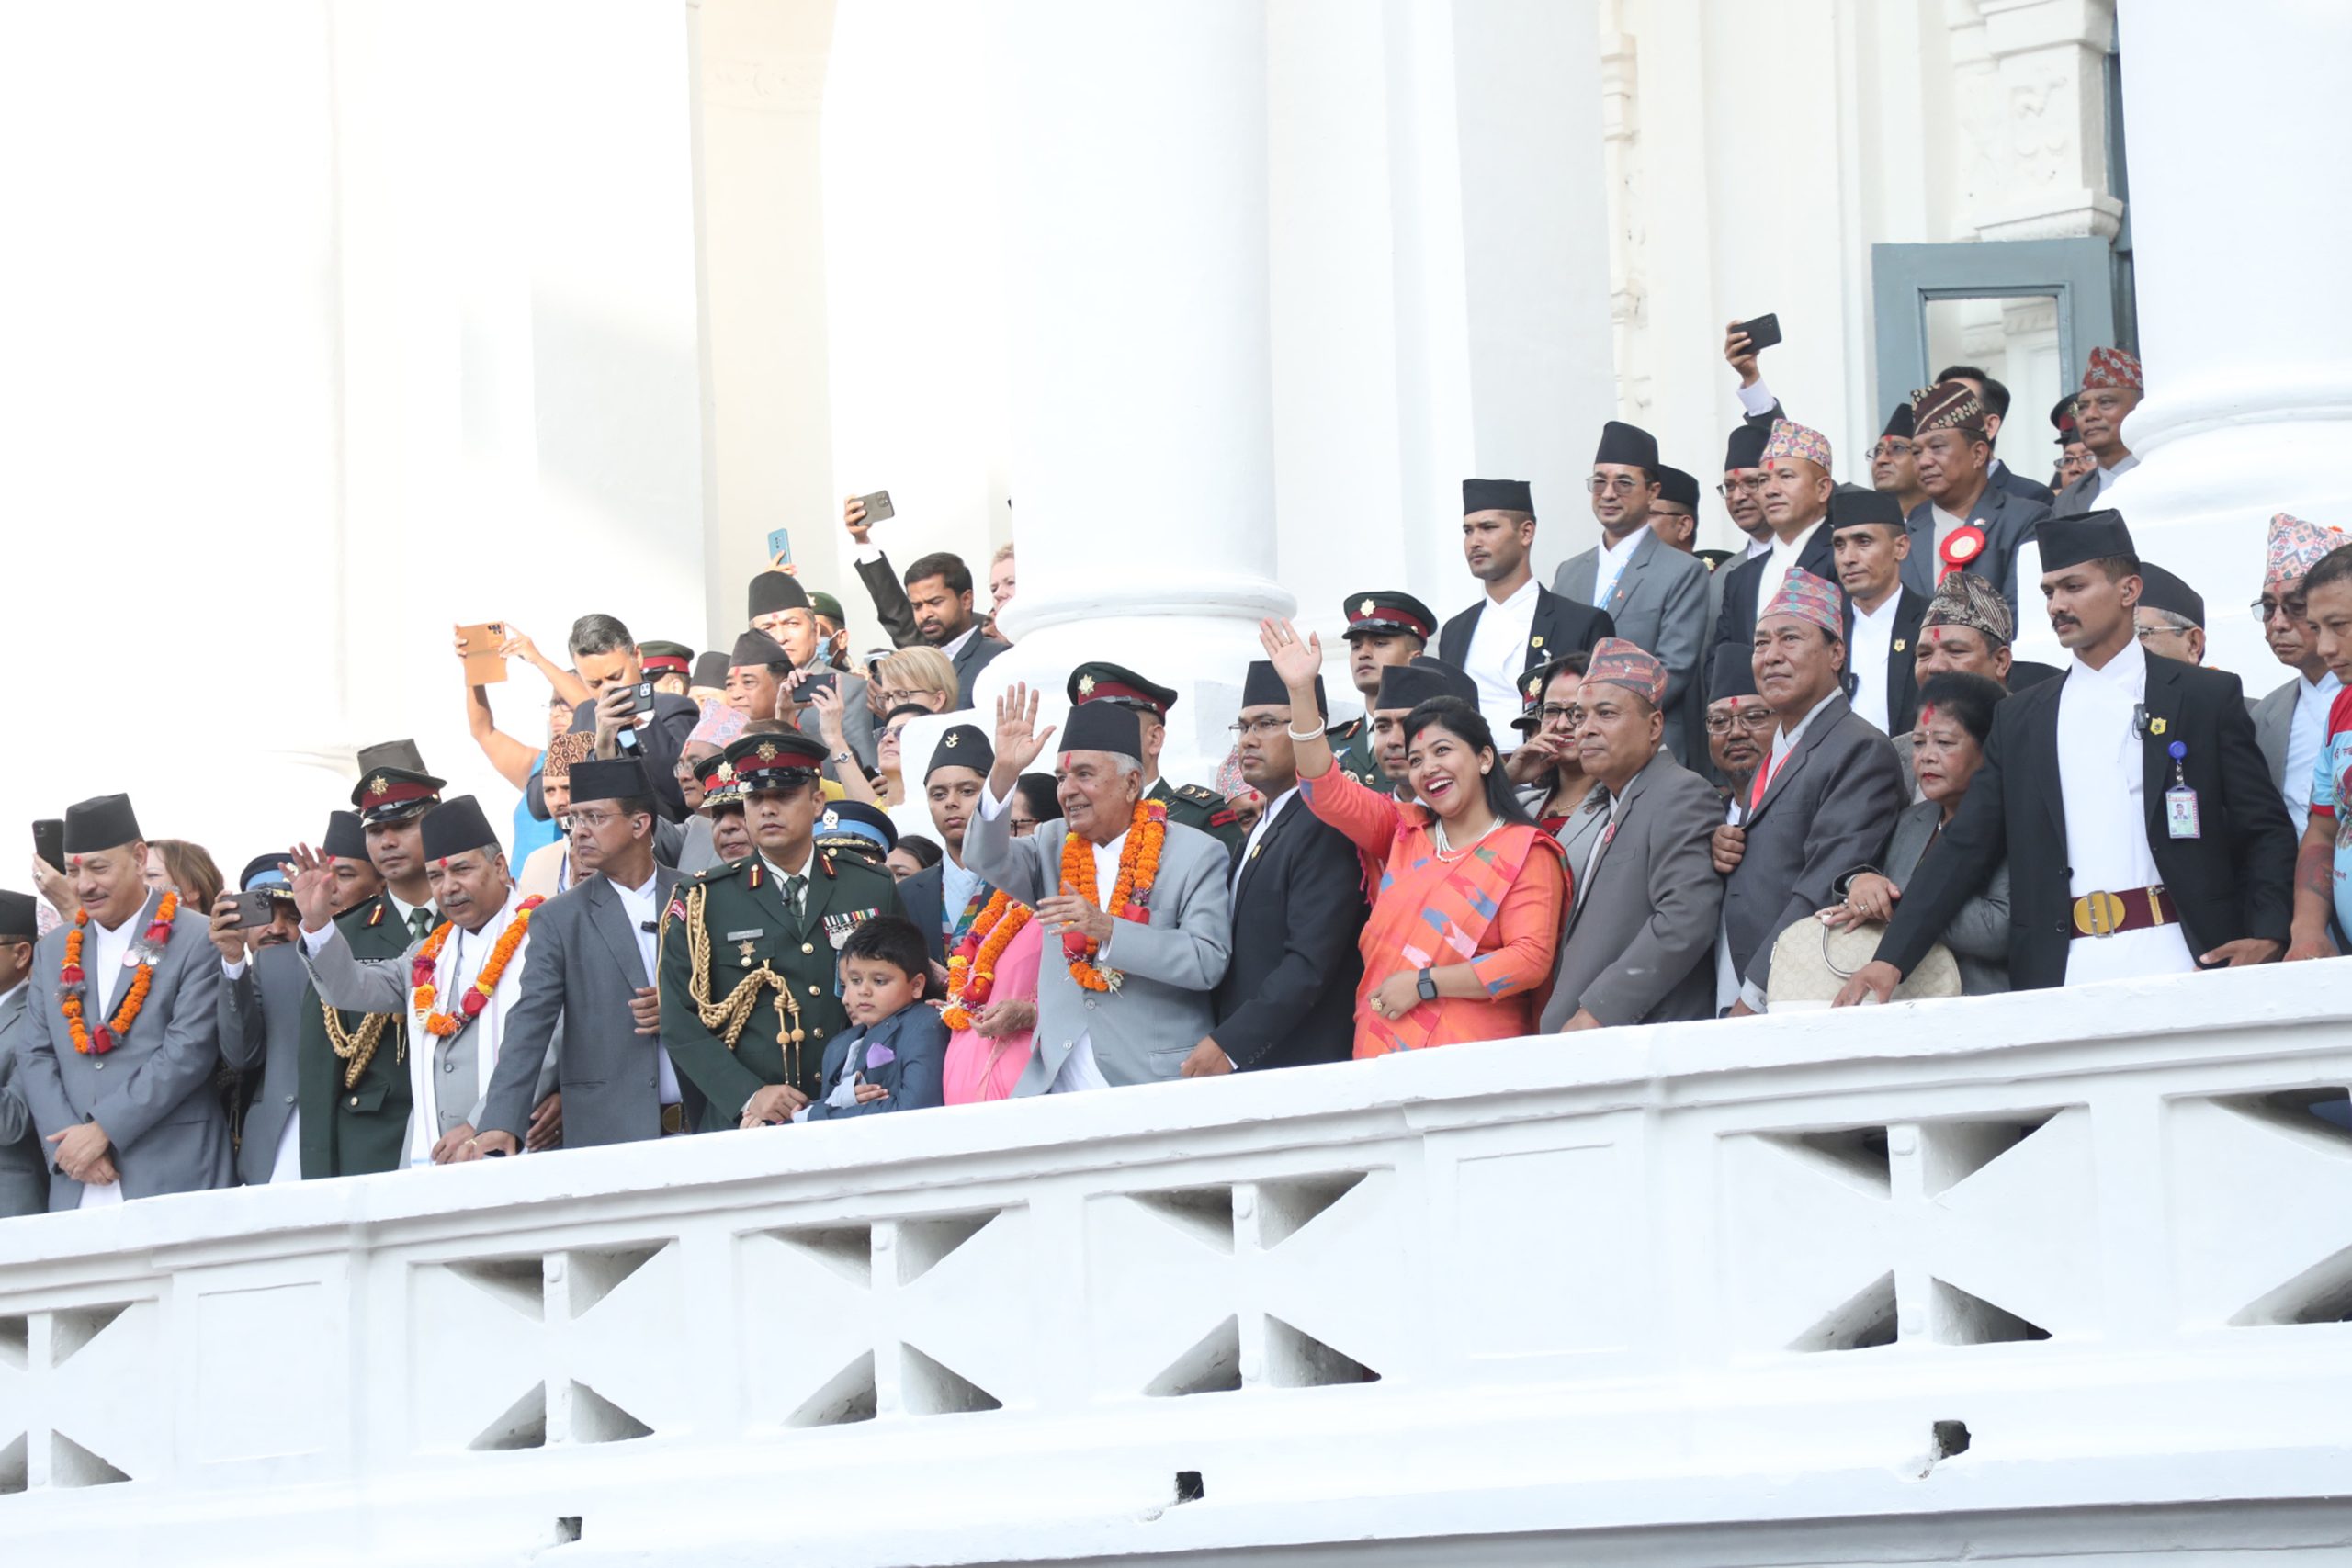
column 2291, row 723
column 1824, row 798
column 591, row 973
column 2113, row 387
column 1162, row 969
column 1654, row 595
column 127, row 1109
column 1967, row 523
column 262, row 987
column 1641, row 930
column 449, row 1073
column 24, row 1172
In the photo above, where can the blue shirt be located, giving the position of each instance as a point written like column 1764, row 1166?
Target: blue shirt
column 530, row 833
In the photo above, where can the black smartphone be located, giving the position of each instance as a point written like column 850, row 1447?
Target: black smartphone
column 644, row 696
column 253, row 908
column 878, row 506
column 1762, row 333
column 824, row 682
column 48, row 841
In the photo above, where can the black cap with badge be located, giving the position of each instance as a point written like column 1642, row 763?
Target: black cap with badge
column 1386, row 613
column 786, row 760
column 1097, row 682
column 964, row 746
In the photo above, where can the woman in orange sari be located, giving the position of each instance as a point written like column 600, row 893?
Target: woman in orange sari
column 1467, row 916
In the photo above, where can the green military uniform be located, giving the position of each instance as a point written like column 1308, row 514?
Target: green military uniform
column 1351, row 745
column 1194, row 806
column 750, row 992
column 732, row 923
column 351, row 1068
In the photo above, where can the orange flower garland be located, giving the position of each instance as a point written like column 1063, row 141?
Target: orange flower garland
column 70, row 979
column 422, row 989
column 1130, row 897
column 971, row 973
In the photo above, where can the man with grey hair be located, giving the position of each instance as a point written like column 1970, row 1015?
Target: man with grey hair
column 1124, row 993
column 2169, row 620
column 627, row 722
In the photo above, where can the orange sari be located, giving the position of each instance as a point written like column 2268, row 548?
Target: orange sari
column 1498, row 905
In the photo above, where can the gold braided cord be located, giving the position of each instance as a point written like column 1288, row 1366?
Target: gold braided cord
column 356, row 1049
column 727, row 1019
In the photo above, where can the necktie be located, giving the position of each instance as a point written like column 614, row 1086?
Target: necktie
column 793, row 887
column 420, row 924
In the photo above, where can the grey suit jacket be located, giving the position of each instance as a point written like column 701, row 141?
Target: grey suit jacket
column 1828, row 809
column 261, row 1026
column 578, row 976
column 381, row 985
column 24, row 1170
column 1640, row 942
column 2009, row 521
column 2274, row 721
column 1978, row 935
column 1142, row 1031
column 1660, row 605
column 153, row 1093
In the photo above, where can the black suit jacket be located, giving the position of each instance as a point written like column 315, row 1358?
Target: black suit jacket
column 1561, row 625
column 2017, row 484
column 1288, row 996
column 2235, row 881
column 1902, row 661
column 1737, row 623
column 659, row 745
column 897, row 613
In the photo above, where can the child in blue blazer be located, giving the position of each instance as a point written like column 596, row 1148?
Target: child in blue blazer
column 894, row 1052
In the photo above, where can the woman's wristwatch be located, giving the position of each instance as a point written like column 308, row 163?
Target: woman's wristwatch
column 1427, row 985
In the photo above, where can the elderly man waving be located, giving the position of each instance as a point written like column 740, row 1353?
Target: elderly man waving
column 1135, row 907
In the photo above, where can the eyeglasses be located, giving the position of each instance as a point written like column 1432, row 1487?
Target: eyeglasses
column 596, row 818
column 1251, row 728
column 1891, row 449
column 1746, row 481
column 1570, row 714
column 893, row 696
column 1754, row 720
column 2266, row 606
column 1620, row 484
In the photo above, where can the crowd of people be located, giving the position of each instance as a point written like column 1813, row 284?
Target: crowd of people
column 1675, row 784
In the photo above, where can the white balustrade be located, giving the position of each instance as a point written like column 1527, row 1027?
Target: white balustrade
column 2039, row 1275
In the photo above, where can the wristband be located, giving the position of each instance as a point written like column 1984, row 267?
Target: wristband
column 1312, row 735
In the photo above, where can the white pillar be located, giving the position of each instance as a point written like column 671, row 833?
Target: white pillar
column 1133, row 150
column 2249, row 407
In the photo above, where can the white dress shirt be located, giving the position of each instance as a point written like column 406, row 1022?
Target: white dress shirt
column 2306, row 733
column 1497, row 655
column 103, row 953
column 638, row 904
column 2108, row 476
column 1080, row 1069
column 958, row 887
column 1867, row 651
column 1780, row 557
column 2102, row 790
column 1609, row 565
column 1266, row 821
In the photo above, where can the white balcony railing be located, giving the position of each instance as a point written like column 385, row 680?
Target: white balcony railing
column 2007, row 1260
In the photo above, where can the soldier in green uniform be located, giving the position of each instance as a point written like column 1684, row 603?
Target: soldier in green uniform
column 1384, row 629
column 1194, row 806
column 750, row 989
column 351, row 1068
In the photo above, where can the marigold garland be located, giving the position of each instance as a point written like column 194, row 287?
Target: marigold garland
column 971, row 972
column 422, row 990
column 71, row 978
column 1130, row 896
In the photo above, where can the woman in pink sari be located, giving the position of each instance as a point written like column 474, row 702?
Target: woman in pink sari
column 985, row 1059
column 1466, row 915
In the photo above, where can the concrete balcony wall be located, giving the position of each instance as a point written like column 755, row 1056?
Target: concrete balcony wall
column 2029, row 1277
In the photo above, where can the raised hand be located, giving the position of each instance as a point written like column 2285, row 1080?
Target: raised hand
column 853, row 518
column 1019, row 741
column 227, row 935
column 1741, row 357
column 313, row 881
column 1296, row 661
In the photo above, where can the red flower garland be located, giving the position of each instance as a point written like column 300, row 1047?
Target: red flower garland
column 71, row 978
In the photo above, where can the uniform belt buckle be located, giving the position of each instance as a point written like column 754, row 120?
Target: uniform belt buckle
column 674, row 1120
column 2099, row 914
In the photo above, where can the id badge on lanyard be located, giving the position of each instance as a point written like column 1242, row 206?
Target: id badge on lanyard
column 2180, row 801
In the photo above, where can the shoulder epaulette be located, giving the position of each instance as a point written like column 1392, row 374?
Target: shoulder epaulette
column 1345, row 728
column 718, row 873
column 1200, row 794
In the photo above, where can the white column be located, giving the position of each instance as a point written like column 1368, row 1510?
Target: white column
column 2249, row 407
column 1133, row 151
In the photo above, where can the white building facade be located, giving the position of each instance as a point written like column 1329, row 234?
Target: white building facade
column 435, row 314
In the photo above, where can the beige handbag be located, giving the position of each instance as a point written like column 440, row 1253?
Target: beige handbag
column 1811, row 962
